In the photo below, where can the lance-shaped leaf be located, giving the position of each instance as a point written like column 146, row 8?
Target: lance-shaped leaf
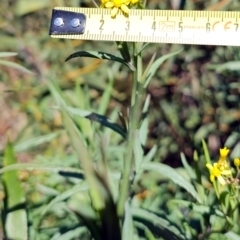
column 128, row 228
column 34, row 142
column 15, row 220
column 124, row 123
column 15, row 65
column 7, row 54
column 165, row 228
column 173, row 175
column 228, row 66
column 42, row 166
column 100, row 55
column 153, row 68
column 98, row 118
column 65, row 195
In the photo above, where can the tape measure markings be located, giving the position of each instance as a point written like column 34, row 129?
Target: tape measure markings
column 160, row 26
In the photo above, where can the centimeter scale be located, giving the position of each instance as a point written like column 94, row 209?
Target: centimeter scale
column 157, row 26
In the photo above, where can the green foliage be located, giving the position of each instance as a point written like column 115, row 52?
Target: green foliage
column 155, row 65
column 12, row 64
column 14, row 215
column 114, row 149
column 99, row 55
column 98, row 118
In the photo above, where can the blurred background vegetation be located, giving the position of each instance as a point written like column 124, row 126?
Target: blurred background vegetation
column 194, row 96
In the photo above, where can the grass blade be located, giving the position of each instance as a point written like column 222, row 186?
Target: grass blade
column 34, row 142
column 7, row 54
column 37, row 166
column 65, row 195
column 153, row 68
column 16, row 220
column 128, row 228
column 170, row 232
column 173, row 175
column 15, row 65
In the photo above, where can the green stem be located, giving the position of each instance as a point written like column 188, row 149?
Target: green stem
column 134, row 120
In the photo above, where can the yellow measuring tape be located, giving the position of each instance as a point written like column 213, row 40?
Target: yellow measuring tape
column 159, row 26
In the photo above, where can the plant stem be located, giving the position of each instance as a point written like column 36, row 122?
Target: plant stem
column 134, row 120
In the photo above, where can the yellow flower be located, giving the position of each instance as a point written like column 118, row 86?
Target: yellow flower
column 216, row 172
column 222, row 162
column 223, row 165
column 117, row 5
column 236, row 162
column 224, row 152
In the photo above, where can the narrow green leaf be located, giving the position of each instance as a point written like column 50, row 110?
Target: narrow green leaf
column 146, row 104
column 72, row 234
column 203, row 209
column 86, row 213
column 188, row 168
column 143, row 47
column 85, row 159
column 151, row 154
column 144, row 126
column 65, row 195
column 107, row 94
column 82, row 93
column 156, row 65
column 173, row 175
column 124, row 124
column 128, row 228
column 230, row 66
column 208, row 160
column 98, row 118
column 206, row 152
column 46, row 190
column 148, row 67
column 149, row 235
column 232, row 235
column 16, row 221
column 124, row 50
column 15, row 65
column 38, row 166
column 96, row 187
column 232, row 138
column 99, row 55
column 147, row 158
column 170, row 232
column 34, row 142
column 204, row 131
column 7, row 54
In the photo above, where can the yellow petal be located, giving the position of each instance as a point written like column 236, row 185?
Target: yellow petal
column 117, row 3
column 114, row 12
column 212, row 178
column 209, row 166
column 224, row 152
column 125, row 9
column 109, row 5
column 226, row 172
column 221, row 180
column 237, row 162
